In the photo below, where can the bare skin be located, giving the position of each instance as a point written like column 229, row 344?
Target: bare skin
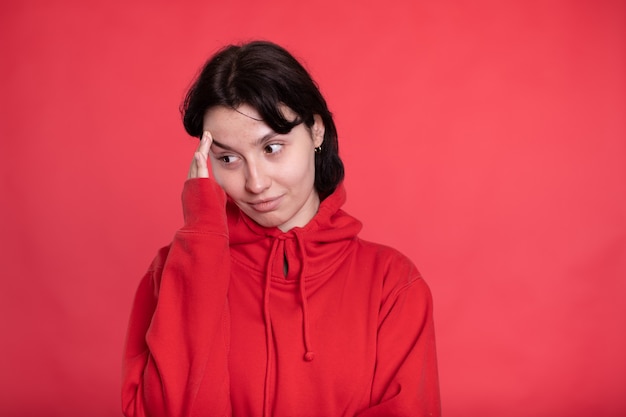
column 199, row 165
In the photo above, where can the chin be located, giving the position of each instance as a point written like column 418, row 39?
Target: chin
column 265, row 221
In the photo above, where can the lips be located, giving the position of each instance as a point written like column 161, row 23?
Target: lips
column 265, row 205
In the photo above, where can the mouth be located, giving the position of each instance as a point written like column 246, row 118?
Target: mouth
column 265, row 205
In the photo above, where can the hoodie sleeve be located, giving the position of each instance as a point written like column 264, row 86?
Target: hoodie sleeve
column 175, row 359
column 406, row 381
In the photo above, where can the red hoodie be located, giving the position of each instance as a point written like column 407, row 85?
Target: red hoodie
column 236, row 319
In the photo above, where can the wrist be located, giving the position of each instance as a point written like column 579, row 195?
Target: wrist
column 204, row 205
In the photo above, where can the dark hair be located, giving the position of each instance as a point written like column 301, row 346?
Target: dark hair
column 265, row 76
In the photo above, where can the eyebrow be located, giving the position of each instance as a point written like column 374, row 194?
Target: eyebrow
column 256, row 142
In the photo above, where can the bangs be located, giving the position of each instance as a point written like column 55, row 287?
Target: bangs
column 268, row 101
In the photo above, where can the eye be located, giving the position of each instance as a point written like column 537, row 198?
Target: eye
column 272, row 148
column 227, row 159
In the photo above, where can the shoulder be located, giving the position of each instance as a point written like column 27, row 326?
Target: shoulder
column 159, row 260
column 386, row 257
column 393, row 270
column 394, row 277
column 155, row 270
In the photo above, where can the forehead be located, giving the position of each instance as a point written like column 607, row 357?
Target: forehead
column 225, row 123
column 243, row 123
column 218, row 115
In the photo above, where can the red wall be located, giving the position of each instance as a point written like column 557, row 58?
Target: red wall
column 485, row 139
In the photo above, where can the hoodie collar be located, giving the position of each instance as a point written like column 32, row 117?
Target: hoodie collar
column 313, row 248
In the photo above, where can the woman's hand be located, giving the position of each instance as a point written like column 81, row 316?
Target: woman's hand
column 199, row 165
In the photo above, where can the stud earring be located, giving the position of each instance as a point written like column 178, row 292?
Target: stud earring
column 318, row 149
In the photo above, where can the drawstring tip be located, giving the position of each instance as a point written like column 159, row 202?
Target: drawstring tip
column 309, row 356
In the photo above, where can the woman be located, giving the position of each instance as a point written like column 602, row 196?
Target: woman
column 267, row 303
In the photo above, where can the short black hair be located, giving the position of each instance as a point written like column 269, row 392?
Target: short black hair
column 265, row 76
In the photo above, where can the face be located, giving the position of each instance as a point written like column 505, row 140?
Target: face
column 268, row 175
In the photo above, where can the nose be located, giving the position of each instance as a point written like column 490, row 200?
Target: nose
column 257, row 179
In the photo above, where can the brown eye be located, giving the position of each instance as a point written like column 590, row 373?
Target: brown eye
column 272, row 148
column 227, row 159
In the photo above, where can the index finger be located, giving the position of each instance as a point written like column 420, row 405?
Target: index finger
column 199, row 165
column 205, row 144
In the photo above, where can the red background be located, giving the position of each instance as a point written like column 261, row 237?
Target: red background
column 484, row 139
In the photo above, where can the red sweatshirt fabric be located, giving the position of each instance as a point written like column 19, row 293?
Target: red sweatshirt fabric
column 234, row 319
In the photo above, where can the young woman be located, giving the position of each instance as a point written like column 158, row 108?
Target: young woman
column 267, row 303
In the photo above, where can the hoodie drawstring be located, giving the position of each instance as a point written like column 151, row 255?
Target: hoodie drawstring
column 268, row 328
column 309, row 355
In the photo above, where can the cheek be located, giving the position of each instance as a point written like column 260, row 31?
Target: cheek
column 227, row 180
column 299, row 172
column 306, row 166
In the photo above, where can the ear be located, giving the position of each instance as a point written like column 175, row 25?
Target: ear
column 317, row 130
